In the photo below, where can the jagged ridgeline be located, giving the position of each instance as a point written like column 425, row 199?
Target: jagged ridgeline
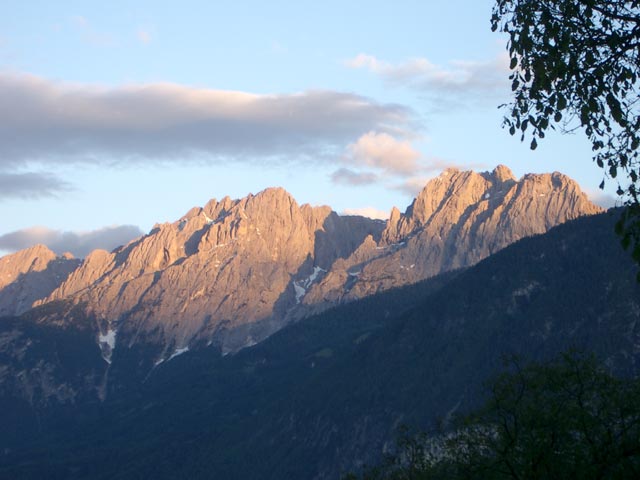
column 323, row 395
column 231, row 273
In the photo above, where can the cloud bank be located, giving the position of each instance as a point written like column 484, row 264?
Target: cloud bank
column 31, row 185
column 80, row 244
column 46, row 121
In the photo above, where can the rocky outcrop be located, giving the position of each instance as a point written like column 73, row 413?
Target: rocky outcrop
column 234, row 271
column 30, row 275
column 227, row 273
column 458, row 219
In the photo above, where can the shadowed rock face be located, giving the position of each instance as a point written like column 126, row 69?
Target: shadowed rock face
column 235, row 271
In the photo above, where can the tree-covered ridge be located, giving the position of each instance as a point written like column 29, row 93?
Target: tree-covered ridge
column 325, row 395
column 565, row 418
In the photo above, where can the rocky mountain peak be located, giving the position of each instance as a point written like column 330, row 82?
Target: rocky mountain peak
column 232, row 265
column 34, row 258
column 458, row 219
column 29, row 275
column 503, row 174
column 448, row 195
column 235, row 270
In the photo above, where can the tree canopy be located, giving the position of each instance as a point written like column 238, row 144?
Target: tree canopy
column 576, row 66
column 567, row 418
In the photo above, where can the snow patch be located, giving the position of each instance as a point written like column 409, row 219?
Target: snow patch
column 487, row 196
column 209, row 220
column 250, row 342
column 314, row 275
column 107, row 344
column 302, row 286
column 109, row 338
column 178, row 351
column 300, row 291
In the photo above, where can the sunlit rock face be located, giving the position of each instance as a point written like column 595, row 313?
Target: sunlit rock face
column 228, row 272
column 30, row 275
column 234, row 271
column 458, row 219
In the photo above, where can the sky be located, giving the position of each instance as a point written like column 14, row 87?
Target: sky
column 118, row 115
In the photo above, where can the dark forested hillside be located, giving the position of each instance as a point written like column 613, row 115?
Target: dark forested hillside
column 327, row 394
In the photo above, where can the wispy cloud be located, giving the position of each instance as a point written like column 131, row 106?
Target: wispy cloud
column 370, row 212
column 80, row 244
column 89, row 34
column 413, row 185
column 80, row 21
column 603, row 199
column 345, row 176
column 47, row 121
column 31, row 185
column 144, row 36
column 459, row 77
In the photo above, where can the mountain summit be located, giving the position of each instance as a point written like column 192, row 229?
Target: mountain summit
column 458, row 219
column 234, row 271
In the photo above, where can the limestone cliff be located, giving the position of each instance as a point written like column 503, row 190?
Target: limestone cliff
column 458, row 219
column 225, row 273
column 30, row 275
column 234, row 271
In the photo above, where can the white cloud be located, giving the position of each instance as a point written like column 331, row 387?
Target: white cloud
column 471, row 77
column 47, row 121
column 370, row 212
column 379, row 157
column 78, row 243
column 383, row 151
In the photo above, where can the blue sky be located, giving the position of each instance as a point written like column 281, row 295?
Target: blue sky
column 116, row 115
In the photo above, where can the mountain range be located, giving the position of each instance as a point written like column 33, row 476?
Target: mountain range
column 234, row 271
column 299, row 338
